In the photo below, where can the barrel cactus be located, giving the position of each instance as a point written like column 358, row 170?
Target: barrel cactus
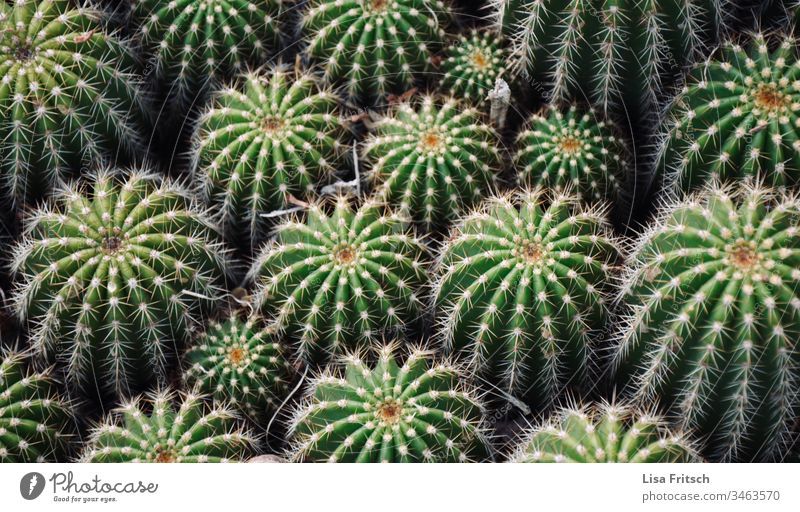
column 738, row 116
column 256, row 148
column 604, row 432
column 472, row 64
column 563, row 148
column 68, row 96
column 418, row 412
column 153, row 429
column 522, row 289
column 340, row 279
column 714, row 318
column 113, row 275
column 433, row 159
column 373, row 47
column 34, row 419
column 238, row 361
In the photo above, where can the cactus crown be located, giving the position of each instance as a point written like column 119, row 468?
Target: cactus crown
column 714, row 315
column 473, row 64
column 417, row 412
column 34, row 419
column 153, row 430
column 339, row 279
column 113, row 275
column 604, row 433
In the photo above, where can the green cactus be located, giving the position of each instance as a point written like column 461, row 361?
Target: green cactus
column 111, row 279
column 570, row 148
column 521, row 293
column 336, row 281
column 604, row 433
column 714, row 316
column 472, row 64
column 433, row 159
column 237, row 361
column 194, row 44
column 34, row 419
column 275, row 138
column 154, row 430
column 373, row 47
column 739, row 116
column 417, row 412
column 68, row 96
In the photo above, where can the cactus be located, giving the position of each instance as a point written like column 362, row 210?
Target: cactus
column 256, row 148
column 154, row 430
column 236, row 361
column 34, row 419
column 336, row 281
column 472, row 64
column 67, row 95
column 417, row 412
column 110, row 280
column 737, row 117
column 604, row 433
column 194, row 44
column 521, row 291
column 373, row 47
column 568, row 148
column 714, row 317
column 433, row 159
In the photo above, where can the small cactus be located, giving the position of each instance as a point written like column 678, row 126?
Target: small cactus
column 373, row 47
column 570, row 148
column 258, row 146
column 472, row 64
column 738, row 116
column 714, row 317
column 113, row 275
column 153, row 430
column 417, row 412
column 238, row 362
column 522, row 288
column 336, row 281
column 34, row 419
column 604, row 433
column 68, row 96
column 433, row 159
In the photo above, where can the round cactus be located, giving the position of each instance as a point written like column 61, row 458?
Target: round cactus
column 604, row 433
column 275, row 138
column 472, row 64
column 569, row 148
column 521, row 292
column 111, row 279
column 195, row 43
column 338, row 280
column 373, row 47
column 34, row 419
column 236, row 361
column 153, row 430
column 715, row 316
column 417, row 412
column 433, row 159
column 67, row 95
column 739, row 116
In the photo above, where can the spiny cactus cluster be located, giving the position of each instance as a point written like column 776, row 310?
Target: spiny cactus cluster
column 604, row 433
column 68, row 96
column 714, row 318
column 112, row 276
column 276, row 138
column 35, row 421
column 472, row 65
column 153, row 429
column 738, row 116
column 415, row 412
